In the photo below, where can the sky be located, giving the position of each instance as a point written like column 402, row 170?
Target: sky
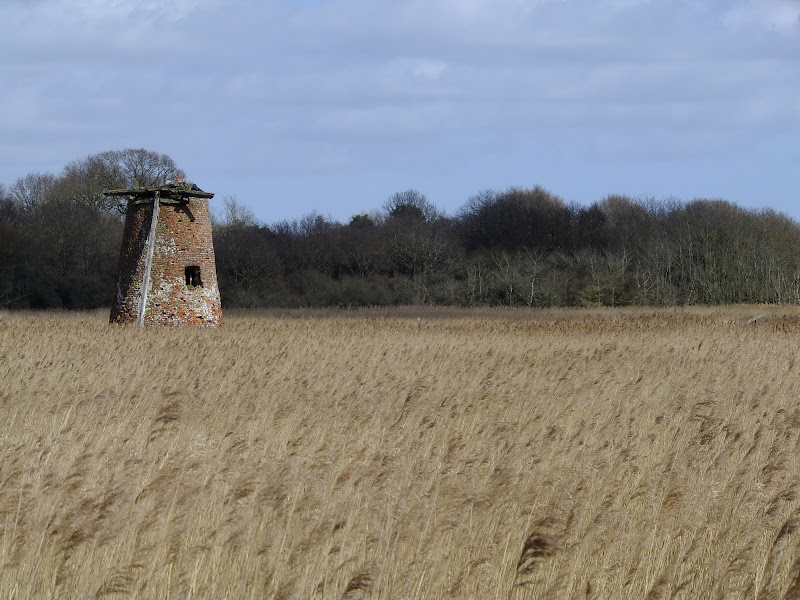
column 331, row 106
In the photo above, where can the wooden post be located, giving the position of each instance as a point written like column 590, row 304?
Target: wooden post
column 151, row 244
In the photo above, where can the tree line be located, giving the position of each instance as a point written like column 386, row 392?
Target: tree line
column 60, row 237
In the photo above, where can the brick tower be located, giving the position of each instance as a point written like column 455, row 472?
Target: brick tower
column 167, row 273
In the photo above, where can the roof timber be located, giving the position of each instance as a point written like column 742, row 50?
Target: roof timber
column 170, row 192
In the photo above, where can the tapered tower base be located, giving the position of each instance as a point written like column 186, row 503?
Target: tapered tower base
column 167, row 271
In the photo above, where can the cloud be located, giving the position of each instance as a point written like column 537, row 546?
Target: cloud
column 315, row 85
column 781, row 15
column 123, row 10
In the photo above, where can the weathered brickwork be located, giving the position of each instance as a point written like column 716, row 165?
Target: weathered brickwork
column 182, row 286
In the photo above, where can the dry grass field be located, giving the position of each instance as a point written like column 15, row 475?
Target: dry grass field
column 397, row 454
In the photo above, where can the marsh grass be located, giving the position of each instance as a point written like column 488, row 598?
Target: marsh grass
column 634, row 453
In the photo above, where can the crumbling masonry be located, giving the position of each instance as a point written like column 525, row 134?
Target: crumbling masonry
column 167, row 272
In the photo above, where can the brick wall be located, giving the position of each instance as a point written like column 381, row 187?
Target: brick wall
column 183, row 239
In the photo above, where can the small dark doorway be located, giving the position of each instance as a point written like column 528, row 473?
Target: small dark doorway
column 193, row 277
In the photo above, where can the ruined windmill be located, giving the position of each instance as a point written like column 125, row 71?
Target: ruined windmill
column 167, row 273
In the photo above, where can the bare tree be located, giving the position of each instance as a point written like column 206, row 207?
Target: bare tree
column 86, row 179
column 411, row 204
column 234, row 214
column 33, row 190
column 7, row 206
column 144, row 168
column 515, row 219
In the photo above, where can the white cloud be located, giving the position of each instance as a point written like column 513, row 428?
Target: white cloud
column 310, row 86
column 170, row 10
column 428, row 69
column 773, row 14
column 88, row 15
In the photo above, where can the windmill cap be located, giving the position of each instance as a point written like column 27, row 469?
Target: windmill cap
column 168, row 191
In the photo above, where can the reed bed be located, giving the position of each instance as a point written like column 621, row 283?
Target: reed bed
column 392, row 454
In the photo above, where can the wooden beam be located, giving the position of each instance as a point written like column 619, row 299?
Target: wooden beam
column 172, row 191
column 151, row 244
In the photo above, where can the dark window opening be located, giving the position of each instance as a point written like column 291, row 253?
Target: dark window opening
column 193, row 277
